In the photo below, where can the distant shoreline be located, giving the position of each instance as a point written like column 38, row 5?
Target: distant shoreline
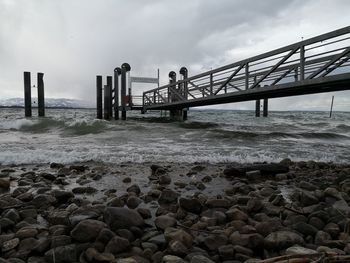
column 70, row 108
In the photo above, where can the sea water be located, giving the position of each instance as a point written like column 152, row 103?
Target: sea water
column 215, row 136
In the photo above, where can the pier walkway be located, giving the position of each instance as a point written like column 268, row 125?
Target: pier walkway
column 316, row 65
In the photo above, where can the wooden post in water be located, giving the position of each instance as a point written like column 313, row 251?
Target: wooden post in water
column 41, row 95
column 125, row 68
column 27, row 95
column 257, row 108
column 110, row 84
column 265, row 109
column 330, row 112
column 99, row 96
column 107, row 100
column 117, row 72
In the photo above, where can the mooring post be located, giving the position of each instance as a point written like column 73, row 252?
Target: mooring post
column 265, row 109
column 125, row 68
column 257, row 108
column 110, row 84
column 107, row 100
column 184, row 73
column 117, row 72
column 99, row 96
column 331, row 110
column 41, row 95
column 27, row 95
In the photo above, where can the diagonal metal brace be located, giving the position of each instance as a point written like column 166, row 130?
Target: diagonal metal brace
column 176, row 93
column 229, row 79
column 327, row 65
column 164, row 100
column 275, row 67
column 282, row 76
column 338, row 64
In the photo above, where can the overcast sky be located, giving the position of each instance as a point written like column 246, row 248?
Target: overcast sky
column 72, row 41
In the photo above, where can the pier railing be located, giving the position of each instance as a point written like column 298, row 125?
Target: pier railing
column 314, row 58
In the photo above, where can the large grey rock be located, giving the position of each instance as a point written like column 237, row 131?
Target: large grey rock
column 179, row 235
column 43, row 201
column 4, row 184
column 10, row 244
column 116, row 245
column 298, row 250
column 87, row 230
column 62, row 254
column 282, row 239
column 191, row 205
column 168, row 196
column 201, row 259
column 59, row 217
column 165, row 221
column 120, row 217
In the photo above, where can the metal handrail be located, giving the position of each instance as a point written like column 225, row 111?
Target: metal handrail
column 290, row 61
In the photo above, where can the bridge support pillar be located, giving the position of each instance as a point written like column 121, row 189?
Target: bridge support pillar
column 265, row 108
column 110, row 95
column 184, row 114
column 125, row 68
column 177, row 115
column 27, row 95
column 41, row 96
column 107, row 101
column 257, row 108
column 99, row 96
column 117, row 72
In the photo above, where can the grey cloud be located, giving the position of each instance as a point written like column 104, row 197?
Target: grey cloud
column 72, row 41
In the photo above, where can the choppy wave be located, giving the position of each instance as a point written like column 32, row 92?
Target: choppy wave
column 220, row 133
column 43, row 125
column 68, row 136
column 198, row 125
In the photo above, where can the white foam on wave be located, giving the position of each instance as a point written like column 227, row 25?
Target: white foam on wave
column 36, row 156
column 16, row 124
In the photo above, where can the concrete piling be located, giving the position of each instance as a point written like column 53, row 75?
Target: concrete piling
column 27, row 95
column 110, row 105
column 107, row 100
column 257, row 108
column 265, row 107
column 99, row 96
column 125, row 68
column 117, row 72
column 41, row 95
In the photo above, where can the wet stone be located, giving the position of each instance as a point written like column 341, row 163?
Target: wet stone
column 87, row 230
column 168, row 196
column 61, row 254
column 116, row 245
column 162, row 222
column 84, row 190
column 10, row 244
column 120, row 217
column 192, row 205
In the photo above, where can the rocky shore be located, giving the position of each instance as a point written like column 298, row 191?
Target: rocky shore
column 95, row 212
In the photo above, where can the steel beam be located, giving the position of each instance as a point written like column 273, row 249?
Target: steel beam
column 335, row 59
column 327, row 84
column 274, row 67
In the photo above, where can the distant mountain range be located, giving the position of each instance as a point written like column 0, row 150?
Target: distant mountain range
column 49, row 103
